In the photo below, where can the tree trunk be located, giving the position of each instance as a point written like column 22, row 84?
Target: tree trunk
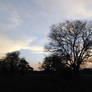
column 76, row 70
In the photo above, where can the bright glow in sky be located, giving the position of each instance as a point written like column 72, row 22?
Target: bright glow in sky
column 24, row 24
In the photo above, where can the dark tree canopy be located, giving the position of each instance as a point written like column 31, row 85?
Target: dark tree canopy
column 24, row 66
column 72, row 41
column 12, row 63
column 52, row 63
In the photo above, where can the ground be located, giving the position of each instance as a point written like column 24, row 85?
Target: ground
column 44, row 83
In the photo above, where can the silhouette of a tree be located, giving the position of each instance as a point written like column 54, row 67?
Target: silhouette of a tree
column 72, row 41
column 24, row 66
column 53, row 63
column 11, row 60
column 12, row 63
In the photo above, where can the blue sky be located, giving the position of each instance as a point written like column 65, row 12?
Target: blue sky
column 25, row 24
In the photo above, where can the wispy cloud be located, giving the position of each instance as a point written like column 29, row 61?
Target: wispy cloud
column 35, row 49
column 9, row 17
column 15, row 20
column 66, row 9
column 9, row 45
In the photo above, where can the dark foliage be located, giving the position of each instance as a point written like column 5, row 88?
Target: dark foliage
column 12, row 63
column 52, row 63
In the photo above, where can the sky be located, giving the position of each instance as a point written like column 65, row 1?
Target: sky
column 25, row 24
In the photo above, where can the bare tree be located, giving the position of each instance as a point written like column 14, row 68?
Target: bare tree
column 72, row 40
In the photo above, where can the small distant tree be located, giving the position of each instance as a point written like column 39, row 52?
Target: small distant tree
column 52, row 63
column 24, row 66
column 72, row 41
